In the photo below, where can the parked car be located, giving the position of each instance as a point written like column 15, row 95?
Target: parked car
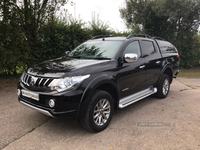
column 99, row 76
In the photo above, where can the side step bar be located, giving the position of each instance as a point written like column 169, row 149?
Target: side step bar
column 136, row 97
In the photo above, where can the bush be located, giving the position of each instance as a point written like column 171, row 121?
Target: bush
column 56, row 36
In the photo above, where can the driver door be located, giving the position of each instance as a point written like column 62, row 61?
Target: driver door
column 132, row 75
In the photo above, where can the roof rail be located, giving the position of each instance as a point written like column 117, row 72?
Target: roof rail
column 138, row 35
column 101, row 36
column 157, row 38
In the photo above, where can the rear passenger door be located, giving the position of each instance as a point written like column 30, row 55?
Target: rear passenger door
column 153, row 60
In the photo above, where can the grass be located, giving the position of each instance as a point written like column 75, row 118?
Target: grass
column 31, row 130
column 190, row 73
column 183, row 90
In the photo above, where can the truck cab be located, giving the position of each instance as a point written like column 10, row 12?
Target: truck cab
column 99, row 76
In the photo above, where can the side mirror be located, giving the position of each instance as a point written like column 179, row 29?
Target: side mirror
column 131, row 57
column 66, row 53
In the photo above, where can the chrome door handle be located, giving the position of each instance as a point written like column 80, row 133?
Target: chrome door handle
column 142, row 66
column 158, row 62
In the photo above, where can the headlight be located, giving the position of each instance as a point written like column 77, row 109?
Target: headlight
column 67, row 83
column 22, row 76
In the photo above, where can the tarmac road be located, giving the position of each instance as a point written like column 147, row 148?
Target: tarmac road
column 170, row 123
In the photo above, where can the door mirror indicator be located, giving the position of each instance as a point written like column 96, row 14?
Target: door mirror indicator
column 131, row 57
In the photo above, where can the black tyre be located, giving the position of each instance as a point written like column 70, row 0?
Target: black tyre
column 99, row 112
column 163, row 87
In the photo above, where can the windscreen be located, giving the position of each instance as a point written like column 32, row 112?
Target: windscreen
column 97, row 49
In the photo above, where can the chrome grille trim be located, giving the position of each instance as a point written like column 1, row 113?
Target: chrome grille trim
column 33, row 81
column 46, row 81
column 39, row 84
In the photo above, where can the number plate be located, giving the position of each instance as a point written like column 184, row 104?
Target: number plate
column 31, row 95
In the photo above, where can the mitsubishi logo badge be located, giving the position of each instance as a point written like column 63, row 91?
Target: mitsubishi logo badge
column 32, row 81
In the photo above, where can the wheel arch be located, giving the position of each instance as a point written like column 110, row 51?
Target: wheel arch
column 166, row 70
column 104, row 83
column 111, row 90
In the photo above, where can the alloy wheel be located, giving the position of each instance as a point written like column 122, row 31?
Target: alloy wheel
column 102, row 112
column 165, row 87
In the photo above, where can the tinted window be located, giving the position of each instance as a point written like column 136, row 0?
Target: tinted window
column 133, row 47
column 166, row 47
column 147, row 48
column 97, row 49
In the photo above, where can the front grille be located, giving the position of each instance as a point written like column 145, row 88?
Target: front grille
column 36, row 82
column 43, row 101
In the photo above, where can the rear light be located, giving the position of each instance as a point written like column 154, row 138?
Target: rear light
column 178, row 57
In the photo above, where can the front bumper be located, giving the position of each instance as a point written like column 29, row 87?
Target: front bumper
column 66, row 103
column 37, row 109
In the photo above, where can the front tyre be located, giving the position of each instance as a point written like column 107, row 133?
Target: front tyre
column 163, row 87
column 99, row 112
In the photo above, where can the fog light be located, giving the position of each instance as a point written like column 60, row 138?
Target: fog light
column 51, row 103
column 18, row 92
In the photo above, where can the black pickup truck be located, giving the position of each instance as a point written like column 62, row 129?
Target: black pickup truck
column 99, row 76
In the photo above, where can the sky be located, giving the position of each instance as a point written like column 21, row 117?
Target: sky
column 107, row 10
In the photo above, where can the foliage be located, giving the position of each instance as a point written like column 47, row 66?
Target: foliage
column 98, row 27
column 176, row 21
column 30, row 31
column 59, row 36
column 19, row 31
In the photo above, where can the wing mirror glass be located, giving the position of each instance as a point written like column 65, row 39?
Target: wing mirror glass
column 131, row 57
column 66, row 53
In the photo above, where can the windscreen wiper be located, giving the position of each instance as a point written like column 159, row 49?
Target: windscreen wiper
column 80, row 57
column 83, row 57
column 74, row 57
column 101, row 58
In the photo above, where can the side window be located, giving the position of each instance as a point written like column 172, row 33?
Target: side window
column 147, row 48
column 166, row 47
column 133, row 47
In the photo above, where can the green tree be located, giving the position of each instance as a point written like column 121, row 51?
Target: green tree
column 176, row 21
column 61, row 35
column 99, row 27
column 20, row 26
column 9, row 36
column 33, row 14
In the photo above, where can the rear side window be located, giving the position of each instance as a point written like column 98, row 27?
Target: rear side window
column 147, row 48
column 166, row 47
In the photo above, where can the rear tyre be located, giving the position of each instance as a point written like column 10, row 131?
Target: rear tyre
column 163, row 87
column 99, row 112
